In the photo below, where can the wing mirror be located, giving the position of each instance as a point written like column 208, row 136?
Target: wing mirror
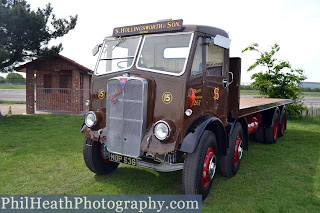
column 96, row 49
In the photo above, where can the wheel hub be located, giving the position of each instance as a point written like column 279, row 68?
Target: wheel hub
column 238, row 150
column 209, row 167
column 104, row 153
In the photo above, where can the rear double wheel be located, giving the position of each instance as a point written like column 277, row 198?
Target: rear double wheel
column 200, row 166
column 283, row 122
column 95, row 158
column 271, row 131
column 230, row 163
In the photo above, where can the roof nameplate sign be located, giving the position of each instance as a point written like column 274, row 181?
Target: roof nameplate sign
column 164, row 26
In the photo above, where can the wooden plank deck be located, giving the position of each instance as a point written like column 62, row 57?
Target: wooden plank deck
column 252, row 105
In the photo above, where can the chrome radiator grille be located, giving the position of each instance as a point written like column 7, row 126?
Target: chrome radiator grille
column 126, row 114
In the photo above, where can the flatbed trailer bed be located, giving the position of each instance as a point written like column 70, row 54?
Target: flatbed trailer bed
column 250, row 106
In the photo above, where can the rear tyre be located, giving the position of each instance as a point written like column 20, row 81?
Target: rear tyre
column 283, row 123
column 271, row 132
column 230, row 164
column 92, row 154
column 259, row 134
column 200, row 166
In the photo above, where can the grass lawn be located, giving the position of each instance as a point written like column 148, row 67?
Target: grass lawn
column 42, row 154
column 12, row 102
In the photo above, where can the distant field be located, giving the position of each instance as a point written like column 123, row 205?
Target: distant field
column 6, row 86
column 249, row 92
column 311, row 94
column 256, row 92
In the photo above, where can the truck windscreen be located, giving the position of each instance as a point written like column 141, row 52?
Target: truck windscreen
column 165, row 53
column 117, row 54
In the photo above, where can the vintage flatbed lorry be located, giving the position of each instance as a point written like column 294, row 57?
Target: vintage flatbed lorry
column 165, row 96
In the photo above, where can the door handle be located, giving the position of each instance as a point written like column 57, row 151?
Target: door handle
column 225, row 82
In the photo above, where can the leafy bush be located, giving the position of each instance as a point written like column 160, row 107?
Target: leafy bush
column 278, row 79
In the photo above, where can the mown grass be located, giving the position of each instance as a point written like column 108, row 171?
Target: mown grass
column 12, row 102
column 42, row 154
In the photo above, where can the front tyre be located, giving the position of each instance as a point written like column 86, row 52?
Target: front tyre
column 200, row 166
column 93, row 157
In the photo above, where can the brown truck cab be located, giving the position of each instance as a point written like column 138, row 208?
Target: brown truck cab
column 165, row 96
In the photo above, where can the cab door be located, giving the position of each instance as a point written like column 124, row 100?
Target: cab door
column 215, row 80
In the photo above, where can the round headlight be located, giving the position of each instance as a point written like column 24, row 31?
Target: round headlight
column 161, row 130
column 90, row 119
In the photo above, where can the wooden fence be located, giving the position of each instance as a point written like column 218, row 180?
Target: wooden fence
column 312, row 111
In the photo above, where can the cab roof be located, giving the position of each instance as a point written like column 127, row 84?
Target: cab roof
column 205, row 29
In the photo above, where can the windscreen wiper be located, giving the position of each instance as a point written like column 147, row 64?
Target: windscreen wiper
column 120, row 42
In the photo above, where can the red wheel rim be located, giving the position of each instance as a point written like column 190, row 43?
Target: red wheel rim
column 238, row 150
column 209, row 167
column 276, row 126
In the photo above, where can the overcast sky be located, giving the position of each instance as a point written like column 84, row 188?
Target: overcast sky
column 293, row 24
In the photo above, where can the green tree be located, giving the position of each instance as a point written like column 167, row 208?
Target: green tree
column 25, row 34
column 277, row 79
column 2, row 80
column 15, row 78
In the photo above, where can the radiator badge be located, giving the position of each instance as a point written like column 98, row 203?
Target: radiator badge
column 113, row 96
column 123, row 82
column 167, row 97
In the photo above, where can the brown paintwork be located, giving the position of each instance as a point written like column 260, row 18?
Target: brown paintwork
column 211, row 96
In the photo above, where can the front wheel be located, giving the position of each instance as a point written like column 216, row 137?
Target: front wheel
column 200, row 166
column 93, row 157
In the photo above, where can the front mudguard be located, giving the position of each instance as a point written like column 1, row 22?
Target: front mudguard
column 194, row 132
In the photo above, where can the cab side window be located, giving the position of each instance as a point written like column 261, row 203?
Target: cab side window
column 214, row 59
column 196, row 69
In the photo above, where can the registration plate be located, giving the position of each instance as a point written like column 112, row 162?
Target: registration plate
column 122, row 159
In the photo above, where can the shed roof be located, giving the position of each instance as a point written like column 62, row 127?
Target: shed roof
column 39, row 64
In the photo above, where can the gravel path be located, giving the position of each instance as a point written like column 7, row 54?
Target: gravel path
column 13, row 94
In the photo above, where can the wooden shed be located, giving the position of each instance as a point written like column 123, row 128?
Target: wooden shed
column 62, row 85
